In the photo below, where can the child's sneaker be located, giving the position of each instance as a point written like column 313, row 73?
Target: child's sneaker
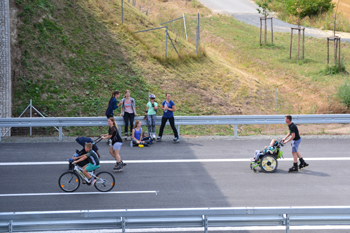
column 125, row 136
column 159, row 138
column 154, row 136
column 92, row 182
column 302, row 165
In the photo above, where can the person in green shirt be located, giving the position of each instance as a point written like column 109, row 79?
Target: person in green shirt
column 151, row 111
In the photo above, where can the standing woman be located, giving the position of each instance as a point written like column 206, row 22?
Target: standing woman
column 128, row 111
column 112, row 104
column 168, row 106
column 116, row 144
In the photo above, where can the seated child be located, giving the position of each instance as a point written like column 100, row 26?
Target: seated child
column 137, row 137
column 267, row 150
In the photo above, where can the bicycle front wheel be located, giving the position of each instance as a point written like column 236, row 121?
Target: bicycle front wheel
column 69, row 181
column 104, row 181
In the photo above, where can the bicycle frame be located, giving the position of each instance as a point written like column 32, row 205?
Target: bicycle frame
column 79, row 170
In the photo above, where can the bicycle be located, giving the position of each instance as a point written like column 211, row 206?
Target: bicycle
column 70, row 181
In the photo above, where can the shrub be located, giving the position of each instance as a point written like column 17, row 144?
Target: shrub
column 308, row 7
column 344, row 94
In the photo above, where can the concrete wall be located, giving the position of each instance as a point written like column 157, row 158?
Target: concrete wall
column 5, row 62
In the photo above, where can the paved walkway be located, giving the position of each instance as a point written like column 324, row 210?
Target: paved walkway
column 246, row 11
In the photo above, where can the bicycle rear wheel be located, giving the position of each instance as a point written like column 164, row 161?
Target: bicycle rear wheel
column 104, row 182
column 69, row 181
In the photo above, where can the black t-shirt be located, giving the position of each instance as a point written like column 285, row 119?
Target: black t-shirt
column 115, row 135
column 294, row 129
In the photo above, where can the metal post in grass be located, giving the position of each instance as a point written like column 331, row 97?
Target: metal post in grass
column 147, row 8
column 30, row 115
column 275, row 107
column 236, row 131
column 166, row 42
column 183, row 15
column 291, row 43
column 336, row 47
column 197, row 36
column 123, row 11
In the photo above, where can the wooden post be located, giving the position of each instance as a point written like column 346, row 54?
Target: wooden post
column 339, row 55
column 265, row 30
column 303, row 43
column 272, row 29
column 327, row 51
column 298, row 45
column 260, row 30
column 291, row 43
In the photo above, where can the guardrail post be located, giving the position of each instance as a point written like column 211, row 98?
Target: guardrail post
column 10, row 227
column 178, row 130
column 30, row 114
column 205, row 223
column 60, row 133
column 123, row 224
column 236, row 131
column 286, row 222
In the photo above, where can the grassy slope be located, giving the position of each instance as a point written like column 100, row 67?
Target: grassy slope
column 74, row 55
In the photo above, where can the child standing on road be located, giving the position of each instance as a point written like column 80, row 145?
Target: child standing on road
column 151, row 113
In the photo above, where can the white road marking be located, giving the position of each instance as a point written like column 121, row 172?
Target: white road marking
column 77, row 193
column 173, row 161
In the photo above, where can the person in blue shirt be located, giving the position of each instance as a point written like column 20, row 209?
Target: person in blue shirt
column 168, row 106
column 137, row 136
column 112, row 104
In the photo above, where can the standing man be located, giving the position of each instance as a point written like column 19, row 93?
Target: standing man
column 295, row 138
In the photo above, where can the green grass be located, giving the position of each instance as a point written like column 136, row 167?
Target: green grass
column 75, row 53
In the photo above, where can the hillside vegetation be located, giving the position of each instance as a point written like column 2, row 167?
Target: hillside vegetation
column 74, row 53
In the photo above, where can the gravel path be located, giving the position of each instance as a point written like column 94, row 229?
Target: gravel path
column 245, row 11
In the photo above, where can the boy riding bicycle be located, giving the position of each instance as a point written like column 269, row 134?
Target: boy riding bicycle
column 93, row 164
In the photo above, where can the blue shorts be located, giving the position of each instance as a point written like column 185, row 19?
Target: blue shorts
column 295, row 145
column 90, row 167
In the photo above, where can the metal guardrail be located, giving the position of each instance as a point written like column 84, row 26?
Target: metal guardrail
column 174, row 218
column 179, row 120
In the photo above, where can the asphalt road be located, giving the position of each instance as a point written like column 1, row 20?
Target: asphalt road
column 246, row 11
column 181, row 174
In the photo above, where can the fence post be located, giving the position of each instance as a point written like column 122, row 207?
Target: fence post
column 147, row 7
column 123, row 11
column 30, row 114
column 184, row 19
column 197, row 36
column 275, row 108
column 236, row 133
column 166, row 42
column 60, row 133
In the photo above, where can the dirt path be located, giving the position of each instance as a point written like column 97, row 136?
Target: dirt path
column 246, row 11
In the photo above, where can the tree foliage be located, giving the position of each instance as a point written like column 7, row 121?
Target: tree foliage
column 308, row 7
